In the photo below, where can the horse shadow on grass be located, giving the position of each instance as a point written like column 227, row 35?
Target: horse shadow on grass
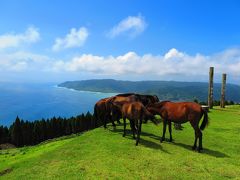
column 143, row 141
column 204, row 151
column 157, row 145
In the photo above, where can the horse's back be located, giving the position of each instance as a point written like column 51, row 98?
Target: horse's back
column 132, row 110
column 182, row 110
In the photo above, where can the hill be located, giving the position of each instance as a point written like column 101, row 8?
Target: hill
column 105, row 154
column 167, row 90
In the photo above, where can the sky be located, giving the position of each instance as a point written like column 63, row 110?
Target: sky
column 56, row 41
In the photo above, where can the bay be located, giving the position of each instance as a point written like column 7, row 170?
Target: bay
column 36, row 101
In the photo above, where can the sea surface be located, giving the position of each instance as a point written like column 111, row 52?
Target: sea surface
column 36, row 101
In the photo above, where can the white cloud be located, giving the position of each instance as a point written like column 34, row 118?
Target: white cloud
column 173, row 64
column 9, row 40
column 76, row 38
column 132, row 26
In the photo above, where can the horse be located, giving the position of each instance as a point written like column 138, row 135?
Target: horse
column 103, row 109
column 102, row 112
column 129, row 97
column 181, row 112
column 135, row 112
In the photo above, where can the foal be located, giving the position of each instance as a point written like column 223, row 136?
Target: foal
column 181, row 112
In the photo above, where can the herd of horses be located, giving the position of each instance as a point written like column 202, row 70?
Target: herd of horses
column 138, row 108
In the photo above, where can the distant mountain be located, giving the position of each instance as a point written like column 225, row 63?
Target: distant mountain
column 166, row 90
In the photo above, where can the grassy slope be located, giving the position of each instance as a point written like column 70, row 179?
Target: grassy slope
column 105, row 153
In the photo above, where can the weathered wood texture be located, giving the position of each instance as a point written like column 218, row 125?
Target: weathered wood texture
column 223, row 90
column 210, row 88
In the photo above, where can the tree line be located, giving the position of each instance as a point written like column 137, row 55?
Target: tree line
column 22, row 133
column 215, row 102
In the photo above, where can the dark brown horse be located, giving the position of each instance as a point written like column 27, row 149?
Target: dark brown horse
column 181, row 112
column 135, row 112
column 102, row 113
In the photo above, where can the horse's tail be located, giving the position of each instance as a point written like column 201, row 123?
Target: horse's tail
column 205, row 119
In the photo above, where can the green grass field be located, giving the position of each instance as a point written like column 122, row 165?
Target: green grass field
column 105, row 154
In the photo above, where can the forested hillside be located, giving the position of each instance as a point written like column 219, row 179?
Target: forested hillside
column 166, row 90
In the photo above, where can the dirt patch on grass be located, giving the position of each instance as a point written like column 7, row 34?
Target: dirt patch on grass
column 5, row 171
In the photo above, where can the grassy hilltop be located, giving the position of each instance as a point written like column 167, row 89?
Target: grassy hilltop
column 101, row 154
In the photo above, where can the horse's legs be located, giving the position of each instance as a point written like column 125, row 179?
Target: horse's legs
column 112, row 119
column 104, row 118
column 124, row 126
column 198, row 135
column 139, row 130
column 132, row 124
column 196, row 130
column 170, row 129
column 195, row 141
column 118, row 119
column 200, row 141
column 164, row 130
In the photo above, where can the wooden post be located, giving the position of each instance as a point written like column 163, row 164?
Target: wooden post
column 222, row 101
column 210, row 88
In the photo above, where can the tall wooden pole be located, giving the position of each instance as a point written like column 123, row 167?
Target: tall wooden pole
column 210, row 88
column 223, row 90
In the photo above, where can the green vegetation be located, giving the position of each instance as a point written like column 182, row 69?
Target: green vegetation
column 105, row 154
column 165, row 90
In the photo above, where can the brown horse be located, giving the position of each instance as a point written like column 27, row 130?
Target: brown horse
column 102, row 113
column 135, row 112
column 181, row 112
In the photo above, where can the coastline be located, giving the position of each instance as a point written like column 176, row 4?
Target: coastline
column 91, row 92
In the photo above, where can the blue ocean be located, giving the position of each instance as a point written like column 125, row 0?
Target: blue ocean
column 35, row 101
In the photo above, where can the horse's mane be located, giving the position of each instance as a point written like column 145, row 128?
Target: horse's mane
column 125, row 94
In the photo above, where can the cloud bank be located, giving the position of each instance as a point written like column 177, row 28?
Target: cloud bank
column 75, row 38
column 173, row 62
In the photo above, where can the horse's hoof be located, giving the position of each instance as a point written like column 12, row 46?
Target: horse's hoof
column 194, row 147
column 162, row 139
column 199, row 150
column 124, row 135
column 136, row 143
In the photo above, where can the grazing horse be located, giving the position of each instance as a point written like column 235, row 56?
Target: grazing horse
column 135, row 112
column 106, row 111
column 102, row 112
column 181, row 112
column 129, row 97
column 103, row 109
